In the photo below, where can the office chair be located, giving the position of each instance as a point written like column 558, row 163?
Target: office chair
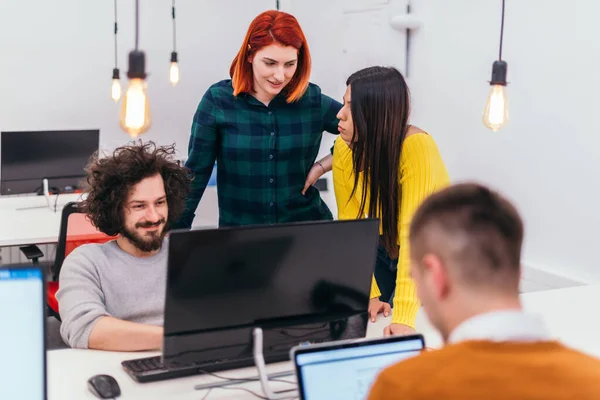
column 65, row 245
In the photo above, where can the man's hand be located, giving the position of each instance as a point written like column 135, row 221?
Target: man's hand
column 398, row 330
column 377, row 306
column 316, row 171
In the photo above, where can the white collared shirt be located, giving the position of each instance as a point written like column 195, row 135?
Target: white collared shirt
column 502, row 326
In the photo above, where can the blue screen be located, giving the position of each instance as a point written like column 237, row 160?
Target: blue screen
column 348, row 373
column 22, row 334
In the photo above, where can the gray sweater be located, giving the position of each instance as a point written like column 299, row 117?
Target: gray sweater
column 102, row 280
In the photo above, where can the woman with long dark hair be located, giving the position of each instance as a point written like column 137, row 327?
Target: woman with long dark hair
column 383, row 167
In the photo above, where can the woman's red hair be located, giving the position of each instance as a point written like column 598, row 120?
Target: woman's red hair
column 267, row 28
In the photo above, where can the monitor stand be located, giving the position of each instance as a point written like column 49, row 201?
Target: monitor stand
column 263, row 377
column 259, row 361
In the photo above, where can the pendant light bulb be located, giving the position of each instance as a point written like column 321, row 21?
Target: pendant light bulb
column 135, row 117
column 495, row 114
column 115, row 87
column 174, row 69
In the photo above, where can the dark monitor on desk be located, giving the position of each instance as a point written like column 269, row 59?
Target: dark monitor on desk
column 22, row 333
column 26, row 158
column 299, row 282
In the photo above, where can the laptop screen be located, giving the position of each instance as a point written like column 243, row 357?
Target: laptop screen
column 22, row 372
column 348, row 372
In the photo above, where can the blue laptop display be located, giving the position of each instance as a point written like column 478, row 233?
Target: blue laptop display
column 22, row 330
column 347, row 370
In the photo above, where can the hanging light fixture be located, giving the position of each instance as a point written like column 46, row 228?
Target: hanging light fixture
column 115, row 87
column 174, row 68
column 135, row 116
column 495, row 114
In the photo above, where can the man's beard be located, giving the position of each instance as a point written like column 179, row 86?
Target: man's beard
column 151, row 241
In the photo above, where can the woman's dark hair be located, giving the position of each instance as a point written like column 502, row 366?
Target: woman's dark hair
column 111, row 179
column 380, row 106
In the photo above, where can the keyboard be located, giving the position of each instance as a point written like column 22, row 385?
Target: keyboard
column 151, row 369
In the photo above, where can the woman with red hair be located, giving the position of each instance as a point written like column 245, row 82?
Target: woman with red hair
column 263, row 127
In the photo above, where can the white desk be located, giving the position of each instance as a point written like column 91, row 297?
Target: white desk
column 69, row 370
column 565, row 312
column 27, row 219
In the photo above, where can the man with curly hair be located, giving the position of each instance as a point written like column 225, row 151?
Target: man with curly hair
column 112, row 295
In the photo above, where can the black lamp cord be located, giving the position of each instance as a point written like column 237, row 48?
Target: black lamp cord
column 116, row 30
column 501, row 32
column 137, row 24
column 174, row 27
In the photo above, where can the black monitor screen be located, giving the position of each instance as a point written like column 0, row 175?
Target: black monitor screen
column 223, row 281
column 60, row 156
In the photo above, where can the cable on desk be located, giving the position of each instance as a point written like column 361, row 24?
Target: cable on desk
column 243, row 389
column 243, row 380
column 206, row 394
column 246, row 390
column 56, row 198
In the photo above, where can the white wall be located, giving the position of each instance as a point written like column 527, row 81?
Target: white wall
column 548, row 156
column 57, row 59
column 56, row 64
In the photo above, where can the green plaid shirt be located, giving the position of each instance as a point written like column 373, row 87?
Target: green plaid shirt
column 263, row 155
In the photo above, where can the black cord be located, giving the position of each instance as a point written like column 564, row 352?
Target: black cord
column 56, row 199
column 174, row 27
column 246, row 390
column 243, row 380
column 324, row 325
column 116, row 29
column 303, row 335
column 137, row 24
column 501, row 32
column 227, row 378
column 206, row 395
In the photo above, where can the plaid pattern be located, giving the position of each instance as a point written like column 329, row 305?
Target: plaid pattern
column 263, row 155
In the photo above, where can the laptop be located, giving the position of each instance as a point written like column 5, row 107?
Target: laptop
column 348, row 369
column 304, row 282
column 22, row 333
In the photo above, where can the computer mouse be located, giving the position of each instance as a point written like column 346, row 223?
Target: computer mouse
column 104, row 387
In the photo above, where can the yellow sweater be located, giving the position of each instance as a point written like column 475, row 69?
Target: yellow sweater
column 422, row 172
column 477, row 370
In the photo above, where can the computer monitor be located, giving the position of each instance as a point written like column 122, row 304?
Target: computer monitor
column 26, row 158
column 22, row 333
column 299, row 282
column 348, row 370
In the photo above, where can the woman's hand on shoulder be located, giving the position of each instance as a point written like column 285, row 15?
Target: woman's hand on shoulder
column 316, row 171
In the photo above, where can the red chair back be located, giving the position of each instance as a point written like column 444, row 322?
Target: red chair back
column 75, row 230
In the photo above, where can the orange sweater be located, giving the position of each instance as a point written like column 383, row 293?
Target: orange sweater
column 493, row 371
